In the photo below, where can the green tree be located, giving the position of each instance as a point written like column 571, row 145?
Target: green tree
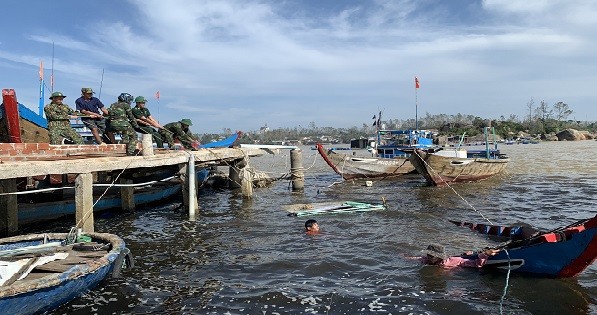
column 562, row 111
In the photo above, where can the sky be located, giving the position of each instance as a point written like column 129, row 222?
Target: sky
column 240, row 65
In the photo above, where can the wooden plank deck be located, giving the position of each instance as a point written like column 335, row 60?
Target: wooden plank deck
column 217, row 156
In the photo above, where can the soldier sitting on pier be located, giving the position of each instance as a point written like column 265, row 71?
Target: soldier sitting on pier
column 146, row 121
column 121, row 120
column 58, row 115
column 180, row 130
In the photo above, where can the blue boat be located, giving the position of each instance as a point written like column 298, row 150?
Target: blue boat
column 562, row 252
column 401, row 143
column 225, row 143
column 71, row 271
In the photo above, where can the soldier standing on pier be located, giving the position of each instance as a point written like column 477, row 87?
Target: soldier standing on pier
column 123, row 121
column 58, row 116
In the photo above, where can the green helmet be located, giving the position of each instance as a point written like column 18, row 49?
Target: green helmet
column 140, row 99
column 186, row 121
column 57, row 94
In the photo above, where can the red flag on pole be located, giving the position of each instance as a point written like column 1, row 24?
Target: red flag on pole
column 157, row 95
column 416, row 83
column 41, row 70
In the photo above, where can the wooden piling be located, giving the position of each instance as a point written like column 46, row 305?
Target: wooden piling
column 193, row 202
column 9, row 221
column 234, row 180
column 147, row 142
column 189, row 197
column 127, row 195
column 84, row 202
column 246, row 183
column 296, row 169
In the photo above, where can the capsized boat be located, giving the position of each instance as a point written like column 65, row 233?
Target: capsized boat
column 40, row 272
column 562, row 252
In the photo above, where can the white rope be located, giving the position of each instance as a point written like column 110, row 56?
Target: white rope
column 506, row 285
column 95, row 185
column 465, row 201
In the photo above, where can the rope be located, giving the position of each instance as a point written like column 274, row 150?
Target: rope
column 105, row 191
column 95, row 185
column 465, row 201
column 506, row 285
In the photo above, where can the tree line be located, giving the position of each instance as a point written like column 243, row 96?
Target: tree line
column 541, row 119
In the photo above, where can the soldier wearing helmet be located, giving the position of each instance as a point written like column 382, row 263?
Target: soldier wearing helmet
column 95, row 110
column 146, row 121
column 58, row 115
column 180, row 130
column 121, row 120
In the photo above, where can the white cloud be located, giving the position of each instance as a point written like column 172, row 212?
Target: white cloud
column 243, row 63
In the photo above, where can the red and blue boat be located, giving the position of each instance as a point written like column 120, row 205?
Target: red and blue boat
column 560, row 253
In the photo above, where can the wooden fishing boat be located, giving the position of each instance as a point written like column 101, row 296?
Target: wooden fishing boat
column 352, row 167
column 334, row 207
column 41, row 272
column 562, row 252
column 449, row 166
column 19, row 124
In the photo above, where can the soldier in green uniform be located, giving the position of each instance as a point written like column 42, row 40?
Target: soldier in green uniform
column 146, row 121
column 58, row 115
column 122, row 121
column 180, row 130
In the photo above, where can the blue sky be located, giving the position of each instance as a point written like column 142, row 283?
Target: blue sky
column 242, row 64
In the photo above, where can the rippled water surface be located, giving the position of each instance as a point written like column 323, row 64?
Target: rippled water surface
column 249, row 257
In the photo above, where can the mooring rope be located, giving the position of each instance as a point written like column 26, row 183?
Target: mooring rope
column 454, row 190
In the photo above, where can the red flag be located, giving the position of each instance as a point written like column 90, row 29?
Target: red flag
column 157, row 95
column 416, row 83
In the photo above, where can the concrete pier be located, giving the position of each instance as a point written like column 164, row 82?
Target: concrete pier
column 26, row 160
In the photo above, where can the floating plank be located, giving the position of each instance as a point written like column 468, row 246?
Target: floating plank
column 300, row 210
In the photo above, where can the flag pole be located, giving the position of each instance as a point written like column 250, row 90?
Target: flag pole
column 157, row 96
column 416, row 104
column 41, row 89
column 52, row 75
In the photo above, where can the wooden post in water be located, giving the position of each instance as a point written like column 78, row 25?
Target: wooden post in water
column 147, row 142
column 9, row 220
column 193, row 203
column 246, row 183
column 127, row 195
column 234, row 173
column 296, row 169
column 84, row 202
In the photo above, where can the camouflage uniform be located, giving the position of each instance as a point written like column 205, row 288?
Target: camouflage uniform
column 139, row 112
column 177, row 131
column 122, row 121
column 59, row 123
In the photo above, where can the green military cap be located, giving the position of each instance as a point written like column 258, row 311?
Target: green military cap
column 57, row 94
column 87, row 90
column 186, row 121
column 140, row 99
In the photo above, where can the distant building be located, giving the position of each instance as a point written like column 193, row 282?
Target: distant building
column 359, row 143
